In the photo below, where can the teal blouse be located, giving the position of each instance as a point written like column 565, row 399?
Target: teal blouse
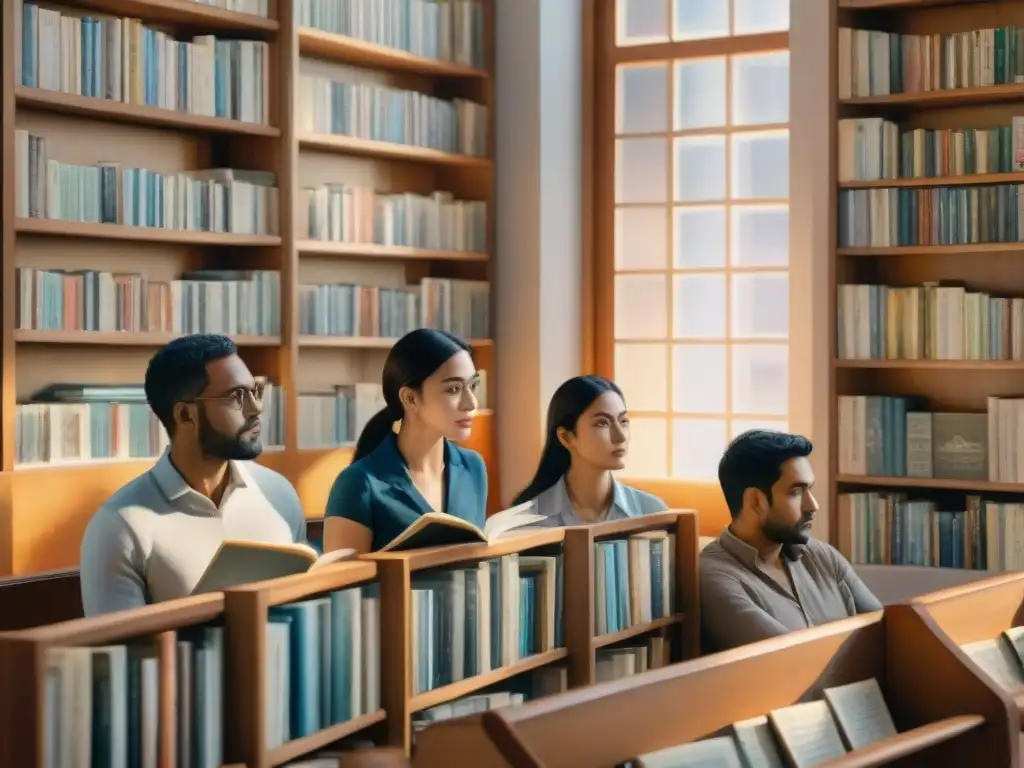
column 378, row 492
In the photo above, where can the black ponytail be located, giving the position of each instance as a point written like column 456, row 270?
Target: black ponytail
column 376, row 430
column 412, row 360
column 568, row 403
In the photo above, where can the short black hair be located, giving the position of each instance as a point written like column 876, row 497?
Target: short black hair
column 754, row 460
column 177, row 372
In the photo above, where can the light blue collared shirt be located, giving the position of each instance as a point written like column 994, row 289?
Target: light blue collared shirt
column 627, row 502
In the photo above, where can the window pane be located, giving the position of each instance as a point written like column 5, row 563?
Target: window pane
column 700, row 94
column 739, row 426
column 700, row 19
column 698, row 378
column 642, row 92
column 760, row 379
column 760, row 92
column 760, row 165
column 760, row 305
column 641, row 370
column 760, row 235
column 641, row 170
column 697, row 447
column 699, row 237
column 641, row 310
column 699, row 306
column 751, row 17
column 641, row 238
column 700, row 169
column 641, row 21
column 648, row 448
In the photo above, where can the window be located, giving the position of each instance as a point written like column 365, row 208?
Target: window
column 694, row 143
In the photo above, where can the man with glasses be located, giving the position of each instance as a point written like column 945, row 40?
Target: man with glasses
column 154, row 538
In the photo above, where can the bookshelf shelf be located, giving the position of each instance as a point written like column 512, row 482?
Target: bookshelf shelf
column 107, row 109
column 953, row 97
column 387, row 151
column 935, row 250
column 373, row 251
column 447, row 693
column 365, row 342
column 184, row 12
column 122, row 339
column 611, row 638
column 293, row 750
column 60, row 228
column 349, row 50
column 940, row 323
column 937, row 483
column 937, row 181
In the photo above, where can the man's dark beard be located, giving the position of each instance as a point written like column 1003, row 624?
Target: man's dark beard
column 787, row 535
column 238, row 448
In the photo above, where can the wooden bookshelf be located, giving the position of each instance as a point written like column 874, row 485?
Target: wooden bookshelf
column 243, row 613
column 611, row 723
column 926, row 168
column 40, row 530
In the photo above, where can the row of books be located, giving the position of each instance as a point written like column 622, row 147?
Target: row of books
column 885, row 218
column 848, row 717
column 208, row 200
column 895, row 529
column 101, row 704
column 332, row 419
column 76, row 423
column 633, row 581
column 380, row 113
column 461, row 307
column 927, row 322
column 896, row 437
column 449, row 31
column 323, row 663
column 204, row 301
column 121, row 59
column 341, row 213
column 875, row 63
column 873, row 149
column 251, row 7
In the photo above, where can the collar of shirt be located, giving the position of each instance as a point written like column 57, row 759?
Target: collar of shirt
column 747, row 555
column 174, row 487
column 563, row 508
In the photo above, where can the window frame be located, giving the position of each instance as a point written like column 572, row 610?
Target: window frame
column 601, row 56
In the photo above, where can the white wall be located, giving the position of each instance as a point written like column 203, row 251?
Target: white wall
column 538, row 272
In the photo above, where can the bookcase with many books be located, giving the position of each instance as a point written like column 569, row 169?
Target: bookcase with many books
column 373, row 650
column 312, row 178
column 929, row 290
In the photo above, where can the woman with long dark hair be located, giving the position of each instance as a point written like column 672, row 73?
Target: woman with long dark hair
column 396, row 476
column 587, row 439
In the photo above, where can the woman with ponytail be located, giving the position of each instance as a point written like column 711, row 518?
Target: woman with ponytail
column 397, row 475
column 587, row 439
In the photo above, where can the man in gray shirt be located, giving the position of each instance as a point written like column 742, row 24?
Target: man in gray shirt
column 153, row 539
column 765, row 575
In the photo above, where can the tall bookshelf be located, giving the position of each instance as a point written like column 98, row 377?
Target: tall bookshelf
column 41, row 529
column 942, row 168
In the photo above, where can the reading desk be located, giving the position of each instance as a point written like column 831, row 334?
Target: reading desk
column 608, row 724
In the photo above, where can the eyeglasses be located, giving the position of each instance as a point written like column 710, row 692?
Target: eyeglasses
column 236, row 398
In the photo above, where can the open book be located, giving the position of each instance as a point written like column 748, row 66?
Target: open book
column 243, row 562
column 435, row 529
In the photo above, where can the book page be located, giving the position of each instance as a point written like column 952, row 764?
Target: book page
column 757, row 744
column 244, row 562
column 719, row 752
column 1015, row 637
column 808, row 732
column 330, row 558
column 500, row 523
column 861, row 712
column 999, row 661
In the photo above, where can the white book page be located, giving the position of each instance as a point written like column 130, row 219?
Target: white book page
column 861, row 712
column 757, row 744
column 719, row 752
column 502, row 522
column 809, row 732
column 998, row 660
